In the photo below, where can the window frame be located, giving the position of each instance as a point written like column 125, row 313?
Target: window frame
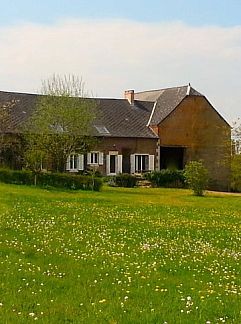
column 139, row 159
column 94, row 158
column 73, row 161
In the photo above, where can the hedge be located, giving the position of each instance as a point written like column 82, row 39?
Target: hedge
column 125, row 180
column 57, row 180
column 166, row 178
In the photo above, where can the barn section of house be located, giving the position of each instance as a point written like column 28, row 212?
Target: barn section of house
column 161, row 129
column 150, row 130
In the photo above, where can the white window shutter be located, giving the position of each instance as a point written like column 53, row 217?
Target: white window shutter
column 81, row 162
column 151, row 162
column 101, row 158
column 107, row 164
column 68, row 163
column 132, row 160
column 119, row 164
column 88, row 158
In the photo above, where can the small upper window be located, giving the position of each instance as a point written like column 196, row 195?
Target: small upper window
column 102, row 130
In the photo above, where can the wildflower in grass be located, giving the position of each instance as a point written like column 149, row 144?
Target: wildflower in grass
column 102, row 301
column 146, row 246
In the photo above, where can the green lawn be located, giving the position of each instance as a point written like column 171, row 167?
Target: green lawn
column 119, row 256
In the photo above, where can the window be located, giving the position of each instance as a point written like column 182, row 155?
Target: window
column 73, row 161
column 95, row 158
column 141, row 163
column 102, row 130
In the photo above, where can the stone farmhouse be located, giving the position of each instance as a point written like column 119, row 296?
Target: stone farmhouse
column 147, row 131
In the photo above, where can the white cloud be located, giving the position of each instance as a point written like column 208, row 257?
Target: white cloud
column 114, row 55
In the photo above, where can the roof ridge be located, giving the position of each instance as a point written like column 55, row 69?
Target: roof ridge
column 20, row 93
column 155, row 90
column 40, row 94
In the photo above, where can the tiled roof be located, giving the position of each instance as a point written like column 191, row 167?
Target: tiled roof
column 22, row 106
column 124, row 120
column 166, row 100
column 116, row 115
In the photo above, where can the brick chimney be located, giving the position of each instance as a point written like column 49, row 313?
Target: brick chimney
column 129, row 95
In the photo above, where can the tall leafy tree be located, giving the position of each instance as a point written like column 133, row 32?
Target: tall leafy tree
column 61, row 123
column 236, row 136
column 5, row 127
column 236, row 157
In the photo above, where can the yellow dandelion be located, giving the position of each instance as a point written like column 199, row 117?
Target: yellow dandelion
column 102, row 301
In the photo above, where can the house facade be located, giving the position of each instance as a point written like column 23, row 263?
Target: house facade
column 117, row 155
column 148, row 131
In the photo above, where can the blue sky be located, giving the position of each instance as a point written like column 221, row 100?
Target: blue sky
column 194, row 12
column 120, row 45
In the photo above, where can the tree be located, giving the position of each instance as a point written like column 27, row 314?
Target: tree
column 5, row 126
column 196, row 176
column 236, row 173
column 61, row 123
column 236, row 157
column 236, row 137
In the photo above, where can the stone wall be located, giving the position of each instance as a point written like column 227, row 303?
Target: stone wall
column 196, row 126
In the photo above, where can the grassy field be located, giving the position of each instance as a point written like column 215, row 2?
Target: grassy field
column 119, row 256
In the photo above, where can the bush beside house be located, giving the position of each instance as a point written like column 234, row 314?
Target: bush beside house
column 166, row 178
column 196, row 177
column 125, row 180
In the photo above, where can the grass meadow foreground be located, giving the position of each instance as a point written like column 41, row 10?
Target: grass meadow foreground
column 119, row 256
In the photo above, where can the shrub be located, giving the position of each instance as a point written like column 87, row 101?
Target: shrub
column 236, row 173
column 125, row 180
column 57, row 180
column 16, row 176
column 69, row 181
column 196, row 176
column 166, row 178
